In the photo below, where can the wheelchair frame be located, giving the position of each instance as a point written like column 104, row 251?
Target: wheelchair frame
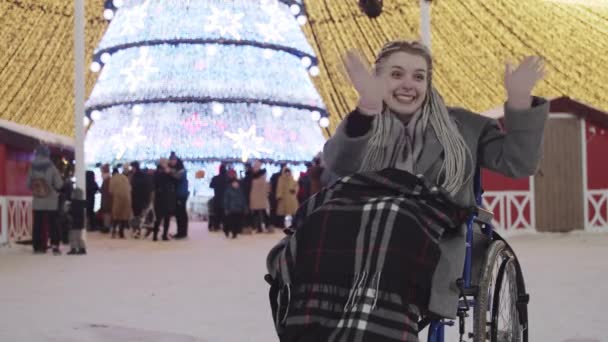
column 469, row 291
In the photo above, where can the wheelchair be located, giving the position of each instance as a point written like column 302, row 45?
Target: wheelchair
column 492, row 287
column 493, row 298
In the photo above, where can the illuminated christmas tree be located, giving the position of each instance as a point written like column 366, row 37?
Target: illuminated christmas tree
column 210, row 79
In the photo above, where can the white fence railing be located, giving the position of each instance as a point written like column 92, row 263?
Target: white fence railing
column 15, row 218
column 597, row 210
column 3, row 222
column 509, row 208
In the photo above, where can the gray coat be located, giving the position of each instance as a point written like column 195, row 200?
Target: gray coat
column 42, row 167
column 515, row 153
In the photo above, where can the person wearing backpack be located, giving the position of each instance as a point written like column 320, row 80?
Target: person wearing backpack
column 44, row 180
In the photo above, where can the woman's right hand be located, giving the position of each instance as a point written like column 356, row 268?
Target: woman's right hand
column 368, row 85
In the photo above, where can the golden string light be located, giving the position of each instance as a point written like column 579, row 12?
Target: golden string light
column 471, row 42
column 37, row 61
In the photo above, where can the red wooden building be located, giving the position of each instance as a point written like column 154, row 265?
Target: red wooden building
column 17, row 143
column 570, row 189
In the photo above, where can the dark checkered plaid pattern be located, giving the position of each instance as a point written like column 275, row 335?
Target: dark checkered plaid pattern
column 359, row 264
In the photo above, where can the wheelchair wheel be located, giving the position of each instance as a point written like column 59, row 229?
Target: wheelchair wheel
column 496, row 317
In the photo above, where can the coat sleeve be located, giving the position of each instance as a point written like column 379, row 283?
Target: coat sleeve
column 517, row 151
column 342, row 153
column 57, row 182
column 178, row 174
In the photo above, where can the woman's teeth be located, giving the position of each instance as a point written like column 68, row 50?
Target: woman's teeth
column 406, row 99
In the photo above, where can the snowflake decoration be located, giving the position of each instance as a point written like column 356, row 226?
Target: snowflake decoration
column 248, row 142
column 225, row 22
column 139, row 70
column 127, row 139
column 275, row 29
column 136, row 17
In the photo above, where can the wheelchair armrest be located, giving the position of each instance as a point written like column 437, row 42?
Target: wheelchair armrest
column 484, row 216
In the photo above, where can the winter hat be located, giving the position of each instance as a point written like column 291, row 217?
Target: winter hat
column 232, row 174
column 173, row 156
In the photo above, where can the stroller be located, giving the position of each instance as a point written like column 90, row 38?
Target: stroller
column 144, row 221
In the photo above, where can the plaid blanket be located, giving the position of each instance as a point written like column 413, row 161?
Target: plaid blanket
column 358, row 264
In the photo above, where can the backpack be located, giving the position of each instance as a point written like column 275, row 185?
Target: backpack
column 40, row 188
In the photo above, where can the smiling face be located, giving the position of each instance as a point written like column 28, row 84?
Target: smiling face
column 407, row 79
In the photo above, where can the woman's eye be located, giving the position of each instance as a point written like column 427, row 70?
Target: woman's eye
column 419, row 77
column 396, row 74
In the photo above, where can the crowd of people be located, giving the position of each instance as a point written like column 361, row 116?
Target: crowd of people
column 140, row 199
column 137, row 199
column 254, row 202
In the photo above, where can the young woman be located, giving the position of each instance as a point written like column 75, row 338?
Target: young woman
column 402, row 125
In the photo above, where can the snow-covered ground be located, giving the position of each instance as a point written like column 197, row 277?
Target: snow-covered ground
column 212, row 289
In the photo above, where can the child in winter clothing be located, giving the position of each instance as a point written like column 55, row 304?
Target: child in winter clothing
column 235, row 207
column 214, row 222
column 78, row 208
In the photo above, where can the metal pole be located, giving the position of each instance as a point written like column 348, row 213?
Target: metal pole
column 425, row 22
column 79, row 87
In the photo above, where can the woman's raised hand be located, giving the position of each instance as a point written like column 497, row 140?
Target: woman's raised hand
column 520, row 81
column 368, row 85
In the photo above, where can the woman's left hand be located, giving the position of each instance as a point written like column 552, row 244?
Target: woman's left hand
column 520, row 81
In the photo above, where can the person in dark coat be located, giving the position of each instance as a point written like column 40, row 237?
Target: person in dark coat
column 315, row 173
column 78, row 208
column 165, row 198
column 304, row 184
column 63, row 215
column 245, row 185
column 141, row 191
column 219, row 183
column 235, row 206
column 212, row 215
column 277, row 221
column 180, row 176
column 92, row 190
column 106, row 199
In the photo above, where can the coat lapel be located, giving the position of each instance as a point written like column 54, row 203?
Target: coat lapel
column 431, row 152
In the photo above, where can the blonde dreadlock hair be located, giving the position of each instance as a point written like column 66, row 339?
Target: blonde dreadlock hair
column 433, row 112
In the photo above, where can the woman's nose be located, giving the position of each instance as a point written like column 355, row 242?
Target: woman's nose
column 406, row 83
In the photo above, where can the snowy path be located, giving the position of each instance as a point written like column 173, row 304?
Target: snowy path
column 212, row 289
